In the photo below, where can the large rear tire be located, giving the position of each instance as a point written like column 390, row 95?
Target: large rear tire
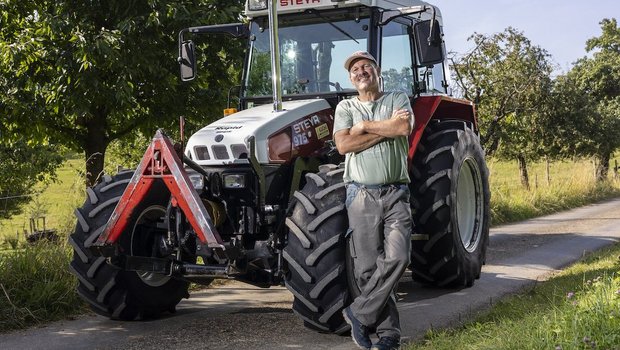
column 110, row 291
column 450, row 199
column 315, row 253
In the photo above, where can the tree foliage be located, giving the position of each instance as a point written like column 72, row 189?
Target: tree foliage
column 86, row 73
column 394, row 80
column 22, row 165
column 587, row 100
column 508, row 78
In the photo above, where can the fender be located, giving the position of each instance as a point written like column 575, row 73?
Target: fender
column 426, row 108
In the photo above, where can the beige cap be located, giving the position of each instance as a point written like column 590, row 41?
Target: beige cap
column 356, row 55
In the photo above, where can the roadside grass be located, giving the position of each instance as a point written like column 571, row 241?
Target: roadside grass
column 36, row 286
column 579, row 308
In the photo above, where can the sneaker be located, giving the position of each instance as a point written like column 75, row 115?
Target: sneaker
column 386, row 343
column 359, row 332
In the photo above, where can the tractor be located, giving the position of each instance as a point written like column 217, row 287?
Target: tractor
column 258, row 195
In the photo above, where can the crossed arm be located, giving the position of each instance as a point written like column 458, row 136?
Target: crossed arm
column 368, row 133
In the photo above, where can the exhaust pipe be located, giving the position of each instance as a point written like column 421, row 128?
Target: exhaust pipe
column 274, row 44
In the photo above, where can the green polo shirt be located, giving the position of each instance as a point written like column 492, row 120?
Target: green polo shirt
column 385, row 162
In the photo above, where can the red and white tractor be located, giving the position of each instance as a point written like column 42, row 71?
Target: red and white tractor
column 258, row 195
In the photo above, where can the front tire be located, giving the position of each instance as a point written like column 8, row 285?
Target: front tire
column 450, row 199
column 110, row 291
column 315, row 252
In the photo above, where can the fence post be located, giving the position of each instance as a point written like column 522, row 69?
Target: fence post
column 547, row 169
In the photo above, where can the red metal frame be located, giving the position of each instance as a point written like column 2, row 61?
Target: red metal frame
column 161, row 163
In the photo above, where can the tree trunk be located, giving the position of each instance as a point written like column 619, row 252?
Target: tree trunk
column 95, row 156
column 94, row 147
column 601, row 163
column 525, row 179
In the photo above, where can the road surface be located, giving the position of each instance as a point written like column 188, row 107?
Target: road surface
column 238, row 316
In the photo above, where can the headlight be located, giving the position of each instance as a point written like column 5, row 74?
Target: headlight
column 234, row 181
column 256, row 5
column 198, row 181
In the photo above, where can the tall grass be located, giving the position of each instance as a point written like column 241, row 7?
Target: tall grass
column 570, row 185
column 36, row 286
column 35, row 283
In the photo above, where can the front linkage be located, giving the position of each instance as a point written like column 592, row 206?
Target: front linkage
column 162, row 164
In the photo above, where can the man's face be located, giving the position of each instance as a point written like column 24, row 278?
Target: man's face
column 364, row 75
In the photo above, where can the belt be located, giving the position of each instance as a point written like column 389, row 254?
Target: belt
column 378, row 186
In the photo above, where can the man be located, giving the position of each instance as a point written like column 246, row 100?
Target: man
column 372, row 131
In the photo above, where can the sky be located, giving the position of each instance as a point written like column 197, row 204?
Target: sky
column 559, row 26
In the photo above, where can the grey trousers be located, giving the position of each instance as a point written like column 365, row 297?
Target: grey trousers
column 379, row 240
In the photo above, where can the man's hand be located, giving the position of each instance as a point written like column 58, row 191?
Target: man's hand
column 346, row 142
column 401, row 114
column 358, row 129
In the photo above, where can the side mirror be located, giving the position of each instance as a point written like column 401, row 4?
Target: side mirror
column 187, row 60
column 428, row 42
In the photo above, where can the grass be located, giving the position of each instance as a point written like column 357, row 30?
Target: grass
column 36, row 286
column 579, row 308
column 56, row 203
column 571, row 185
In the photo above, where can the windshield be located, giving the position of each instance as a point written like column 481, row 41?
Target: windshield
column 312, row 53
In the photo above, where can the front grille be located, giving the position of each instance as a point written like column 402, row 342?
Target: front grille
column 220, row 152
column 202, row 152
column 239, row 151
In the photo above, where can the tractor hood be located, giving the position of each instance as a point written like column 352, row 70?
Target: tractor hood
column 226, row 141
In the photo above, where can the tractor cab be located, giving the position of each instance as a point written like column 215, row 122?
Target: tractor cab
column 315, row 38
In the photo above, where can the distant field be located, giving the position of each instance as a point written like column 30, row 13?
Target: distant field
column 56, row 203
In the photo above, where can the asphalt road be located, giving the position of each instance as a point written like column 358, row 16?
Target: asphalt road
column 239, row 316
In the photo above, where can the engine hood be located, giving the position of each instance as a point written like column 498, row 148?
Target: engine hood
column 226, row 141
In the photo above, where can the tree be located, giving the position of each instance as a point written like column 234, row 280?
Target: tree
column 87, row 73
column 569, row 122
column 598, row 77
column 509, row 79
column 397, row 81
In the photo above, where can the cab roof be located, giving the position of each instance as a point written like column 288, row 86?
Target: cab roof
column 292, row 6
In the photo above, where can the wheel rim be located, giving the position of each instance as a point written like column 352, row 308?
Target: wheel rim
column 469, row 204
column 143, row 237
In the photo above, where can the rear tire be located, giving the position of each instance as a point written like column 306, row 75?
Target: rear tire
column 450, row 199
column 110, row 291
column 315, row 253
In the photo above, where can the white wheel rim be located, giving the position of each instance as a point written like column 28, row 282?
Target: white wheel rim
column 469, row 204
